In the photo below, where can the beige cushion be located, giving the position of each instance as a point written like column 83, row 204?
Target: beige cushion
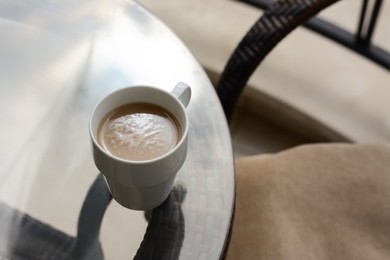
column 323, row 201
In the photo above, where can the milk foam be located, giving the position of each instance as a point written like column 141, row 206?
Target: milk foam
column 139, row 136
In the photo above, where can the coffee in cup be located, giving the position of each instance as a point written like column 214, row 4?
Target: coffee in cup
column 139, row 131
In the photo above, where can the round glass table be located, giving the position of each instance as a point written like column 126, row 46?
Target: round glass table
column 57, row 59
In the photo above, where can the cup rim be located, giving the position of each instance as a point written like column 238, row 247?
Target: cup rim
column 139, row 162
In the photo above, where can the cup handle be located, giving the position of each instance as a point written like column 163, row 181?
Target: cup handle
column 182, row 92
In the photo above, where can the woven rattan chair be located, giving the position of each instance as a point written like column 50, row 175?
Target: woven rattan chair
column 278, row 20
column 319, row 201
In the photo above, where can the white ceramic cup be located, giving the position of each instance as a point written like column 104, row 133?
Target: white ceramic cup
column 142, row 185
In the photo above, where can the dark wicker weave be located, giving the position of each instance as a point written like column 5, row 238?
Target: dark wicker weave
column 278, row 20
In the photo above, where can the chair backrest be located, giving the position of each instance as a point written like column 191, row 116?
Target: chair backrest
column 278, row 20
column 359, row 41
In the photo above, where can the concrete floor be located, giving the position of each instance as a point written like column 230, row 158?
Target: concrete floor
column 321, row 91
